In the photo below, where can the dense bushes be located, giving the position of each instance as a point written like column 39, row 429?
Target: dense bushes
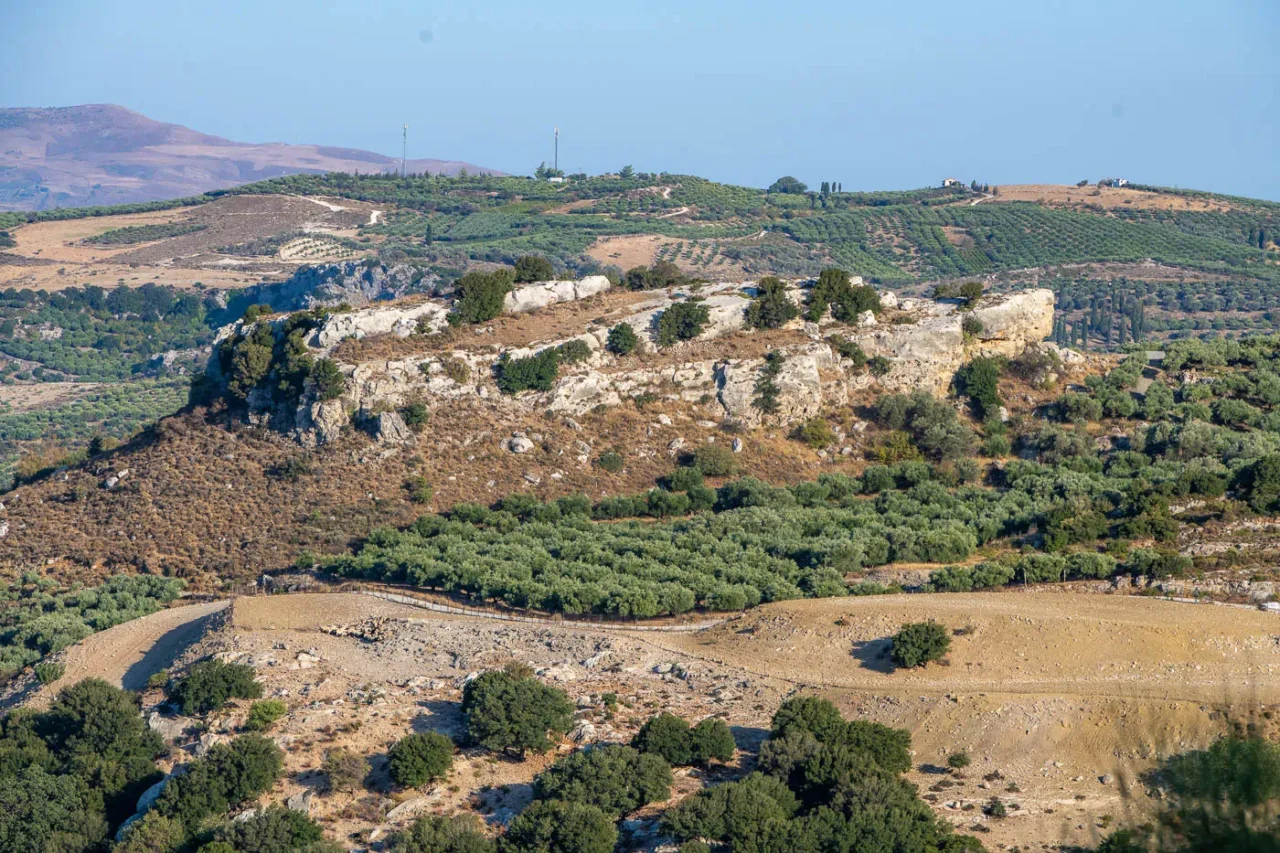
column 919, row 643
column 439, row 834
column 682, row 321
column 478, row 296
column 532, row 268
column 417, row 759
column 36, row 619
column 69, row 775
column 231, row 773
column 772, row 306
column 514, row 714
column 532, row 373
column 622, row 339
column 824, row 784
column 671, row 738
column 210, row 684
column 615, row 779
column 556, row 826
column 833, row 291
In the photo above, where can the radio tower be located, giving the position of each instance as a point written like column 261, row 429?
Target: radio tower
column 555, row 163
column 404, row 154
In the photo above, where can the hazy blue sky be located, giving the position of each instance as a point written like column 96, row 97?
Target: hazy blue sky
column 875, row 95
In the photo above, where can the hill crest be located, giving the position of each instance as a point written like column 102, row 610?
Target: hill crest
column 100, row 154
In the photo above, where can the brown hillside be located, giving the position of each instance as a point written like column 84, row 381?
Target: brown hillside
column 102, row 154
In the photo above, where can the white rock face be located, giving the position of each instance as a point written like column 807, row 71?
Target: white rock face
column 382, row 320
column 533, row 296
column 923, row 354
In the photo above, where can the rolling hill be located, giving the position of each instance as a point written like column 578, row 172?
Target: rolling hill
column 100, row 154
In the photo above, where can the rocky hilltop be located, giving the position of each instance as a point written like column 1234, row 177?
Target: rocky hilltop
column 403, row 352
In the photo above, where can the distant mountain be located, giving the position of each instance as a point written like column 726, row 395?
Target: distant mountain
column 102, row 154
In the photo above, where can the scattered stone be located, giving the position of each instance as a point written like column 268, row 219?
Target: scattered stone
column 519, row 444
column 737, row 445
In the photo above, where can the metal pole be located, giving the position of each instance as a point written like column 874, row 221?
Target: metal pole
column 404, row 154
column 556, row 160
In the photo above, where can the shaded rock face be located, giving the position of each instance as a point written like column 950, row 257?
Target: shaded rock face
column 355, row 284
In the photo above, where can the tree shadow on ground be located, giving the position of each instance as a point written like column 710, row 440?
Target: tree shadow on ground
column 874, row 655
column 749, row 738
column 437, row 715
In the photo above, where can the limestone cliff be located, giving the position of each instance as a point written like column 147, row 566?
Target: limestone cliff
column 924, row 343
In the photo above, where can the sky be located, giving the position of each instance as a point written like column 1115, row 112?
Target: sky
column 873, row 95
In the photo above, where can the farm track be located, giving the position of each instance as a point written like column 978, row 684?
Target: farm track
column 128, row 654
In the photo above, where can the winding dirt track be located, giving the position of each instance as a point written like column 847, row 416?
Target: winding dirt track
column 127, row 655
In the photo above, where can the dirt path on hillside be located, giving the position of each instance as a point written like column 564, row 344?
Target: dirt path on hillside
column 127, row 655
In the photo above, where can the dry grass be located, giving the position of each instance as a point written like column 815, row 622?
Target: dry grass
column 1107, row 197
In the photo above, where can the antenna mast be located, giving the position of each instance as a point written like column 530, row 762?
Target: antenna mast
column 556, row 161
column 404, row 154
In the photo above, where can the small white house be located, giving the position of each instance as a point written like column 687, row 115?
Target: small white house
column 1122, row 182
column 950, row 182
column 555, row 180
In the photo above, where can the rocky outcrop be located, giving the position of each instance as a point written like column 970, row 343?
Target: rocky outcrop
column 924, row 343
column 533, row 296
column 351, row 283
column 401, row 321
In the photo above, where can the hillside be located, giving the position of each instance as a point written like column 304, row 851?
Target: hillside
column 102, row 154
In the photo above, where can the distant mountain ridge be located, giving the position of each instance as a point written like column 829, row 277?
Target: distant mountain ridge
column 101, row 154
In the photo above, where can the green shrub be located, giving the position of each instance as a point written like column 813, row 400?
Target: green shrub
column 667, row 736
column 615, row 779
column 275, row 829
column 878, row 365
column 710, row 740
column 512, row 714
column 344, row 769
column 682, row 321
column 531, row 268
column 772, row 307
column 575, row 351
column 158, row 680
column 682, row 480
column 959, row 760
column 153, row 833
column 48, row 672
column 834, row 291
column 815, row 432
column 847, row 349
column 919, row 643
column 230, row 774
column 478, row 296
column 328, row 379
column 555, row 826
column 713, row 460
column 210, row 684
column 533, row 373
column 263, row 714
column 622, row 339
column 610, row 461
column 415, row 415
column 441, row 834
column 420, row 489
column 417, row 759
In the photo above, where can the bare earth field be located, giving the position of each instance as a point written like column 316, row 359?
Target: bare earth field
column 53, row 255
column 43, row 395
column 1063, row 194
column 1060, row 698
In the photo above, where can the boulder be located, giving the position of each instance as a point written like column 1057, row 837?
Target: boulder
column 408, row 809
column 540, row 295
column 169, row 728
column 149, row 796
column 390, row 428
column 300, row 802
column 800, row 389
column 519, row 444
column 382, row 320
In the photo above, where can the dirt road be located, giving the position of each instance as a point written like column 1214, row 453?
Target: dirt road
column 127, row 655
